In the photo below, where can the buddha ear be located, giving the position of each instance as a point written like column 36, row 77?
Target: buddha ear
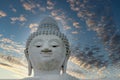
column 64, row 66
column 29, row 63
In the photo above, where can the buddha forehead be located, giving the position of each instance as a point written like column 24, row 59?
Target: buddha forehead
column 47, row 38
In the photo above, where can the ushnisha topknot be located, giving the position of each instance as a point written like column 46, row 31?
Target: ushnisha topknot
column 48, row 26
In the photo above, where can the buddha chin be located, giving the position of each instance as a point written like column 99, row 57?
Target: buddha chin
column 48, row 64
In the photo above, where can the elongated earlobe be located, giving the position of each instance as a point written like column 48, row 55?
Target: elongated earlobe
column 64, row 66
column 29, row 63
column 29, row 68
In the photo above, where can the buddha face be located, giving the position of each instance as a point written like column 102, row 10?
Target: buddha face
column 47, row 52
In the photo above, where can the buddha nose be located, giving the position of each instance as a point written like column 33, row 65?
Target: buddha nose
column 46, row 50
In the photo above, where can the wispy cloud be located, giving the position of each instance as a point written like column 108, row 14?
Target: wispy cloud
column 99, row 19
column 73, row 5
column 21, row 18
column 41, row 8
column 13, row 9
column 67, row 27
column 1, row 35
column 60, row 16
column 91, row 23
column 2, row 14
column 54, row 13
column 32, row 6
column 33, row 27
column 11, row 46
column 28, row 6
column 50, row 5
column 74, row 32
column 76, row 24
column 66, row 21
column 80, row 14
column 82, row 8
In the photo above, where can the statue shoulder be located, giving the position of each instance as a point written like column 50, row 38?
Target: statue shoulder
column 63, row 77
column 31, row 78
column 69, row 77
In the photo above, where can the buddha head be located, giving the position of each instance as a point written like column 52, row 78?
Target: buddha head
column 47, row 49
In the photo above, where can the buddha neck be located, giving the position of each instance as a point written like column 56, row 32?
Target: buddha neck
column 42, row 73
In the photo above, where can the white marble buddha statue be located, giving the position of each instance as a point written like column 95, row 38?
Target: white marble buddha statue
column 47, row 52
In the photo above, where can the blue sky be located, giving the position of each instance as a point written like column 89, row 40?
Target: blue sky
column 80, row 20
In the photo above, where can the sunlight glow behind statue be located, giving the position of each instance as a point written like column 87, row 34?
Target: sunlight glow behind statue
column 47, row 52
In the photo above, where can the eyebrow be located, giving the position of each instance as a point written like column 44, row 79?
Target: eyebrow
column 37, row 40
column 56, row 40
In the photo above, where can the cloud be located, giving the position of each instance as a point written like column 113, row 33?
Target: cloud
column 60, row 16
column 12, row 8
column 43, row 9
column 67, row 27
column 90, row 22
column 73, row 5
column 28, row 6
column 50, row 5
column 83, row 9
column 2, row 14
column 99, row 19
column 54, row 13
column 11, row 46
column 80, row 14
column 75, row 9
column 21, row 18
column 76, row 5
column 74, row 32
column 32, row 6
column 76, row 24
column 1, row 35
column 33, row 27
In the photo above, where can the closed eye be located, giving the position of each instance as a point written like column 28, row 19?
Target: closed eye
column 54, row 46
column 38, row 46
